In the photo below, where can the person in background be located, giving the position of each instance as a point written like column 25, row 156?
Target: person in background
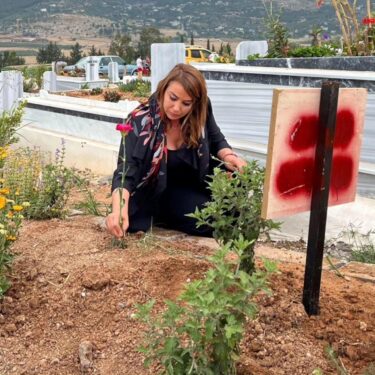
column 169, row 157
column 139, row 63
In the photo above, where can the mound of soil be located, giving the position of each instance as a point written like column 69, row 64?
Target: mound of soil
column 70, row 309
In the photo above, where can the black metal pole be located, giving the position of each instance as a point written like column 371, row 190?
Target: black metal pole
column 320, row 194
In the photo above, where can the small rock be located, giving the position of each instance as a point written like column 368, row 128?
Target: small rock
column 96, row 281
column 363, row 326
column 10, row 328
column 69, row 324
column 55, row 361
column 2, row 319
column 85, row 355
column 340, row 323
column 20, row 319
column 34, row 303
column 351, row 353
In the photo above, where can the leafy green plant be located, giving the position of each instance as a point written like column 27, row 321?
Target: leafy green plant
column 96, row 91
column 313, row 51
column 235, row 208
column 35, row 74
column 10, row 122
column 112, row 96
column 335, row 361
column 200, row 333
column 277, row 35
column 140, row 88
column 44, row 184
column 85, row 86
column 253, row 57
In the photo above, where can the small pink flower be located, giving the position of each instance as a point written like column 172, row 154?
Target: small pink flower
column 124, row 128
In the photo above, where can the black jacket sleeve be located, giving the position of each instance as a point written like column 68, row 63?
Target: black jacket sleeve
column 216, row 139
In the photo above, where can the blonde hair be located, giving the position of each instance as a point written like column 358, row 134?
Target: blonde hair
column 193, row 82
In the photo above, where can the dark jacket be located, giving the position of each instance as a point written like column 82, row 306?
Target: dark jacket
column 146, row 153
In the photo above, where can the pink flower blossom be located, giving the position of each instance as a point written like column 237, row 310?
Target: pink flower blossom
column 124, row 128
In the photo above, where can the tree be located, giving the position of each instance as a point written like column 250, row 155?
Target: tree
column 10, row 58
column 51, row 53
column 208, row 44
column 93, row 51
column 221, row 50
column 192, row 39
column 148, row 36
column 121, row 46
column 228, row 49
column 75, row 54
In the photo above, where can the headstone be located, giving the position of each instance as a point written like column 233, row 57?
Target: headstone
column 246, row 48
column 49, row 81
column 92, row 72
column 113, row 75
column 11, row 89
column 164, row 56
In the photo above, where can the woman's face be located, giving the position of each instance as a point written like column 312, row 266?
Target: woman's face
column 177, row 103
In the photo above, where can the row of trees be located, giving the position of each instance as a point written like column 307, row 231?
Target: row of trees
column 10, row 58
column 122, row 45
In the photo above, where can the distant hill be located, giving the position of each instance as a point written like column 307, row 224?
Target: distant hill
column 242, row 19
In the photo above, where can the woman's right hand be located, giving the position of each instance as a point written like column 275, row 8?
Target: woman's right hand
column 113, row 221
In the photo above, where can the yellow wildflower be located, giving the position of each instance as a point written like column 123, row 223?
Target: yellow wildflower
column 11, row 238
column 3, row 232
column 26, row 204
column 11, row 201
column 3, row 201
column 9, row 215
column 4, row 191
column 17, row 208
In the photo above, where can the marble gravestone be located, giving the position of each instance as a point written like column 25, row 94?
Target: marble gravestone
column 11, row 89
column 49, row 81
column 113, row 72
column 164, row 56
column 92, row 71
column 253, row 47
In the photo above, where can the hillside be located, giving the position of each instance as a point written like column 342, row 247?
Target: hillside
column 242, row 19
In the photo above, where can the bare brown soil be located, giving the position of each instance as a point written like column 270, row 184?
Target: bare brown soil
column 74, row 293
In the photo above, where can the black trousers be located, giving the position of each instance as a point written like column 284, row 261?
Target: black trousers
column 169, row 211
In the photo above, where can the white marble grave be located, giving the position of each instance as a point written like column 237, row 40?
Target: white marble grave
column 113, row 72
column 252, row 47
column 49, row 81
column 164, row 56
column 11, row 89
column 92, row 71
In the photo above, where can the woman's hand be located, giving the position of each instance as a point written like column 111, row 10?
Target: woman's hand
column 113, row 221
column 231, row 160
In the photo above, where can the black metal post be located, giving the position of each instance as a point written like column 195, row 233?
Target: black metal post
column 320, row 194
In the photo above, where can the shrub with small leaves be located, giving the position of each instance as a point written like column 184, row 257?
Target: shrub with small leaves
column 96, row 91
column 201, row 332
column 112, row 96
column 140, row 88
column 235, row 208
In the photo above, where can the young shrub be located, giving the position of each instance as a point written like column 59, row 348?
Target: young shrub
column 235, row 208
column 201, row 332
column 30, row 176
column 112, row 96
column 96, row 91
column 9, row 124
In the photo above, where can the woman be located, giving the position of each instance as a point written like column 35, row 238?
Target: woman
column 168, row 157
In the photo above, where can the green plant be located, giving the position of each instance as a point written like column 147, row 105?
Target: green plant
column 335, row 361
column 253, row 57
column 35, row 74
column 140, row 88
column 362, row 244
column 313, row 51
column 112, row 96
column 96, row 91
column 200, row 333
column 85, row 86
column 235, row 208
column 10, row 122
column 44, row 184
column 277, row 35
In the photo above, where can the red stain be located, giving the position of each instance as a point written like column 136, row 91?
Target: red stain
column 295, row 178
column 345, row 125
column 342, row 174
column 303, row 133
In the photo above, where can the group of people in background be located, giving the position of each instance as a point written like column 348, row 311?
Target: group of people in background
column 141, row 64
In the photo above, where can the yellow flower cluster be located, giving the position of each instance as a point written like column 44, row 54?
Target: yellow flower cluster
column 3, row 153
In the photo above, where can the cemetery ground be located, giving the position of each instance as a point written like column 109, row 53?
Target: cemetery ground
column 73, row 295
